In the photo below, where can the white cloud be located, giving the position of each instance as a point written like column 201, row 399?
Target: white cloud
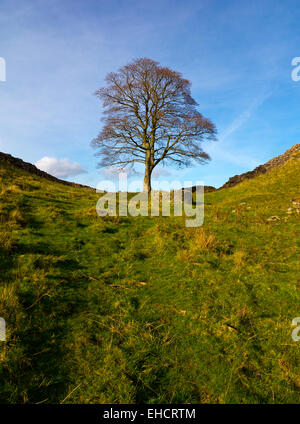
column 61, row 168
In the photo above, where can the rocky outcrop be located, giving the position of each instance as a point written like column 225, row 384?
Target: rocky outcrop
column 262, row 169
column 26, row 166
column 236, row 179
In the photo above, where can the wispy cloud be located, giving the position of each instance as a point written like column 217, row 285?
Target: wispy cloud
column 161, row 172
column 226, row 149
column 58, row 53
column 244, row 116
column 112, row 172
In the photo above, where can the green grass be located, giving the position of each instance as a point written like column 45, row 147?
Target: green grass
column 144, row 310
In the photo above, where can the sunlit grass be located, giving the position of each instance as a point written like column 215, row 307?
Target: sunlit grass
column 122, row 309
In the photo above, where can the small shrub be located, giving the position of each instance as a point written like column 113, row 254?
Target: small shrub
column 201, row 240
column 239, row 258
column 6, row 241
column 16, row 217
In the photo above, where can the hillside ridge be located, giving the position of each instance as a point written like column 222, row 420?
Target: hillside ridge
column 262, row 169
column 26, row 166
column 233, row 181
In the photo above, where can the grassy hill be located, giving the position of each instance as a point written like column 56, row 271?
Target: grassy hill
column 131, row 310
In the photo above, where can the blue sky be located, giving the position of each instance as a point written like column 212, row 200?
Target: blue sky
column 237, row 55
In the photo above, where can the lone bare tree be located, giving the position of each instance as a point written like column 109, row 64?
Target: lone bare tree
column 150, row 117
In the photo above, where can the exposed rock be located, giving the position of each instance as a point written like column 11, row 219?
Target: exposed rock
column 273, row 218
column 296, row 203
column 262, row 169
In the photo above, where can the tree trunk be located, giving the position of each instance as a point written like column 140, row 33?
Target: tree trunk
column 147, row 179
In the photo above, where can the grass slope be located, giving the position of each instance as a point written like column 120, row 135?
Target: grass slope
column 145, row 310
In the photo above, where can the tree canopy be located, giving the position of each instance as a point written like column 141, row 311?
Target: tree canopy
column 150, row 117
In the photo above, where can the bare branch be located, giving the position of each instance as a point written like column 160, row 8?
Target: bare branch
column 150, row 117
